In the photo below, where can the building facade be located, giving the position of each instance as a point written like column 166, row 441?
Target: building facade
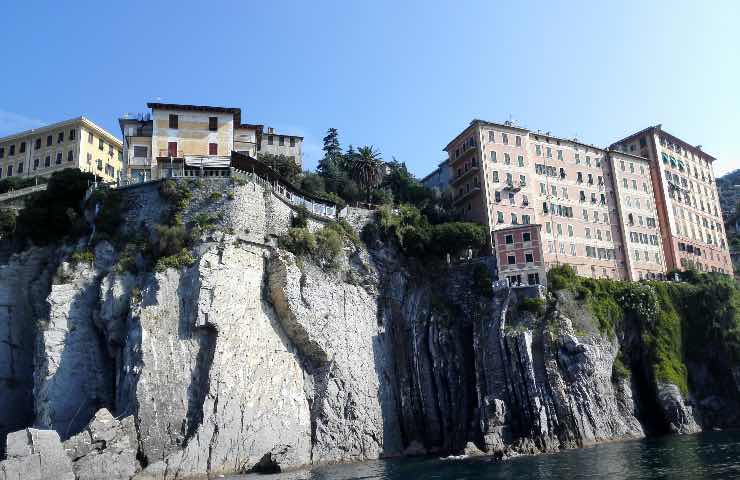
column 439, row 179
column 75, row 143
column 175, row 137
column 596, row 209
column 687, row 201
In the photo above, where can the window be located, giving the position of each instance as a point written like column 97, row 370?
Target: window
column 505, row 138
column 549, row 152
column 529, row 258
column 560, row 229
column 213, row 149
column 60, row 137
column 560, row 154
column 172, row 149
column 140, row 151
column 101, row 145
column 269, row 139
column 573, row 249
column 23, row 147
column 2, row 152
column 500, row 217
column 100, row 164
column 70, row 155
column 509, row 239
column 533, row 278
column 543, row 189
column 491, row 136
column 36, row 162
column 213, row 124
column 511, row 259
column 493, row 157
column 90, row 137
column 507, row 159
column 588, row 232
column 12, row 150
column 526, row 237
column 72, row 134
column 173, row 121
column 538, row 150
column 281, row 140
column 47, row 161
column 570, row 230
column 292, row 141
column 548, row 227
column 514, row 220
column 518, row 141
column 59, row 158
column 578, row 158
column 38, row 144
column 48, row 141
column 520, row 160
column 495, row 176
column 10, row 170
column 20, row 168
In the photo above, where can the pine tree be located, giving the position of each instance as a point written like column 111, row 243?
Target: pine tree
column 332, row 151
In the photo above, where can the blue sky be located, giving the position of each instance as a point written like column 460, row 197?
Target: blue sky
column 402, row 76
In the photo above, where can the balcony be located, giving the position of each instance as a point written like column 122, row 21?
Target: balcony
column 140, row 161
column 466, row 195
column 464, row 152
column 466, row 174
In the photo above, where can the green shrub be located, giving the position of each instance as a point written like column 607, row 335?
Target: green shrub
column 110, row 216
column 561, row 277
column 300, row 218
column 215, row 196
column 533, row 305
column 619, row 369
column 299, row 241
column 230, row 195
column 176, row 194
column 82, row 256
column 170, row 240
column 328, row 247
column 205, row 221
column 456, row 237
column 7, row 222
column 180, row 260
column 482, row 281
column 56, row 212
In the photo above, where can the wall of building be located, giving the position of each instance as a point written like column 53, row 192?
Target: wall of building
column 519, row 254
column 687, row 201
column 638, row 217
column 62, row 145
column 271, row 145
column 98, row 155
column 192, row 135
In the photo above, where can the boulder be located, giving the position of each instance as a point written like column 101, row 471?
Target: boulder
column 35, row 455
column 106, row 448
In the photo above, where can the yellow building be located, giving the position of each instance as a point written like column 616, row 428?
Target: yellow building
column 74, row 143
column 178, row 137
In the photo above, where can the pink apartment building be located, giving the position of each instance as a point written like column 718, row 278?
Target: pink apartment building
column 690, row 216
column 596, row 209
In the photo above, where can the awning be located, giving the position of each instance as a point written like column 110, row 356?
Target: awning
column 208, row 162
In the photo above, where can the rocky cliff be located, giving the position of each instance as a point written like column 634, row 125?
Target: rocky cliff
column 253, row 358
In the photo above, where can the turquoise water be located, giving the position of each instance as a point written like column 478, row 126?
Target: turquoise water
column 713, row 455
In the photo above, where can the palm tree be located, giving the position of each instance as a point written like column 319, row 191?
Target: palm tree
column 367, row 169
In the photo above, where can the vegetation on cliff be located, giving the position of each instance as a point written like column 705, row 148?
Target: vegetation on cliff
column 678, row 321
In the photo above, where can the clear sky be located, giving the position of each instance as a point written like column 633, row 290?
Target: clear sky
column 404, row 76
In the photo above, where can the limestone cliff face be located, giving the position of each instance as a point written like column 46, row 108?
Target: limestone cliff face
column 252, row 358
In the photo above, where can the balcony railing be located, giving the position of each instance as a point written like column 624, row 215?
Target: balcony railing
column 140, row 161
column 465, row 195
column 464, row 175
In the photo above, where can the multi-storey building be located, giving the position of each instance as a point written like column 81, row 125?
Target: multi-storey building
column 175, row 137
column 593, row 208
column 75, row 143
column 439, row 179
column 686, row 199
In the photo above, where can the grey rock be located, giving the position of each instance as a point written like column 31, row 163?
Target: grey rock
column 105, row 449
column 679, row 415
column 35, row 454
